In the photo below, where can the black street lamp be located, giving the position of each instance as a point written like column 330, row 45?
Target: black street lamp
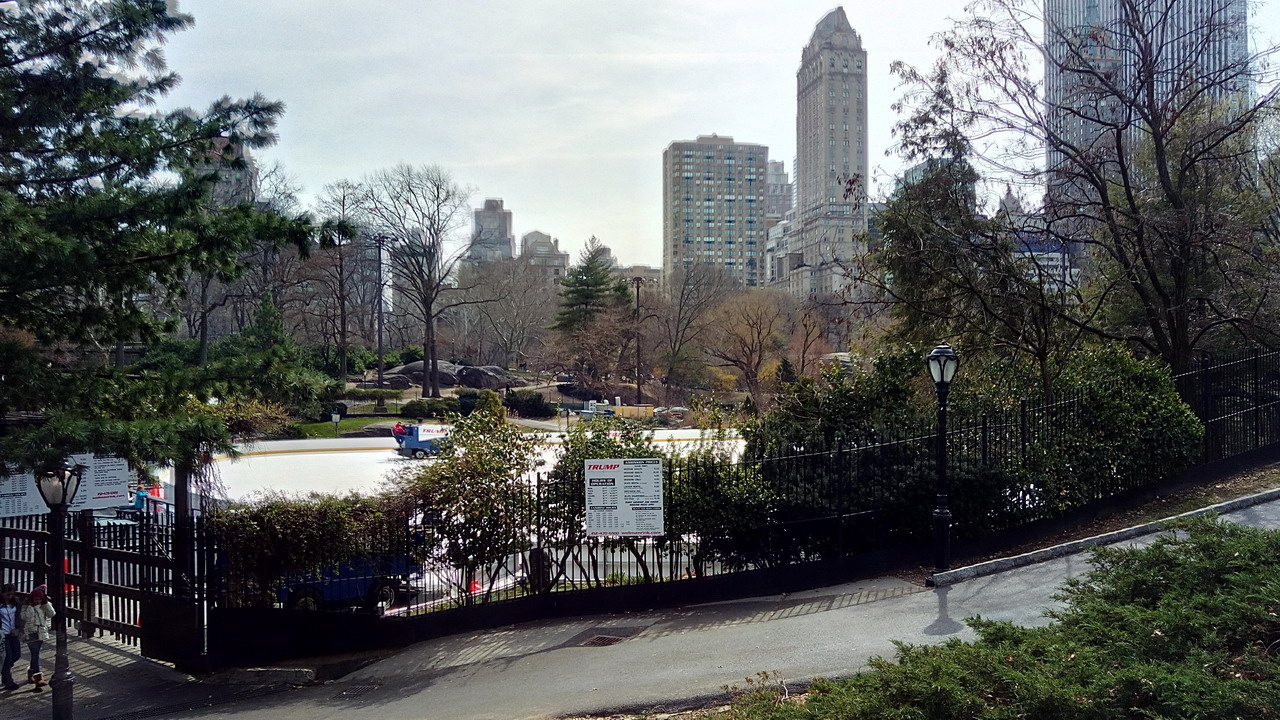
column 943, row 362
column 638, row 282
column 58, row 487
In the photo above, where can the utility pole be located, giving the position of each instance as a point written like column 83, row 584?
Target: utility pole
column 638, row 281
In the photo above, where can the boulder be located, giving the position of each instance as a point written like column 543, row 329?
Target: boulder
column 446, row 371
column 378, row 429
column 396, row 382
column 488, row 377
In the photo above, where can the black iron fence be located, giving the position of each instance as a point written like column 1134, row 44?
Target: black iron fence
column 730, row 522
column 816, row 503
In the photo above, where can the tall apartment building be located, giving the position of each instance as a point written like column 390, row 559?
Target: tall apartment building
column 1181, row 41
column 492, row 238
column 543, row 254
column 831, row 140
column 778, row 199
column 713, row 206
column 236, row 171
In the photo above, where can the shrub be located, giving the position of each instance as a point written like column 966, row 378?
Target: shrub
column 411, row 354
column 489, row 402
column 272, row 537
column 481, row 492
column 441, row 407
column 529, row 404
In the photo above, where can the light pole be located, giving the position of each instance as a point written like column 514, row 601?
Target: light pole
column 381, row 403
column 58, row 487
column 638, row 281
column 943, row 362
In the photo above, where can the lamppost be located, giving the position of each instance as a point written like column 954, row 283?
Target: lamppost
column 380, row 402
column 638, row 281
column 943, row 362
column 58, row 487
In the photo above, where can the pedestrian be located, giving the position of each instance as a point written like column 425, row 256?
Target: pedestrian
column 11, row 630
column 35, row 619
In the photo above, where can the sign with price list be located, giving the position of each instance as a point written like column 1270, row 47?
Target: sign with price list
column 104, row 484
column 624, row 497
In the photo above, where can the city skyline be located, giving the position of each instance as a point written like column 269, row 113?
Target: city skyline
column 560, row 108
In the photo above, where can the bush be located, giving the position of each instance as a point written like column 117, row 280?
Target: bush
column 489, row 402
column 408, row 355
column 467, row 399
column 441, row 407
column 482, row 493
column 273, row 537
column 529, row 404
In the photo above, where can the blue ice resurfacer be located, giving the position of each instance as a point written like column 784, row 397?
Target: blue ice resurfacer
column 422, row 440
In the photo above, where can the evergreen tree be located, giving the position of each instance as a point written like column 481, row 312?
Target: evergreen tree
column 101, row 217
column 593, row 329
column 589, row 288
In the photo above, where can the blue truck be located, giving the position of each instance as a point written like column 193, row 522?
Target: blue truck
column 360, row 583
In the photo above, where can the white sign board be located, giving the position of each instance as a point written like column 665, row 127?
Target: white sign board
column 624, row 497
column 104, row 484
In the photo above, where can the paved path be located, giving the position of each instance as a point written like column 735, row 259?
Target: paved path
column 540, row 669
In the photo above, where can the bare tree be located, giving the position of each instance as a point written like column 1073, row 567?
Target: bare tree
column 1144, row 139
column 521, row 305
column 748, row 331
column 335, row 271
column 421, row 212
column 684, row 315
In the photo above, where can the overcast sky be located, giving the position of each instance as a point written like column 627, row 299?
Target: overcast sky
column 560, row 107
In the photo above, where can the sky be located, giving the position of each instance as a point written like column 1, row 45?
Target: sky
column 562, row 108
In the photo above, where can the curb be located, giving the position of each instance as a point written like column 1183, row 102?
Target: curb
column 262, row 676
column 952, row 577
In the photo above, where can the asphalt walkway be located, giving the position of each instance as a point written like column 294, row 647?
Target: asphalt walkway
column 666, row 660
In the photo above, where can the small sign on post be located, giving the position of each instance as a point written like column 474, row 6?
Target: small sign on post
column 336, row 419
column 624, row 497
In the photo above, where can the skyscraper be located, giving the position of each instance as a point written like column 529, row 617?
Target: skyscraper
column 543, row 254
column 1104, row 56
column 713, row 206
column 778, row 200
column 492, row 238
column 831, row 139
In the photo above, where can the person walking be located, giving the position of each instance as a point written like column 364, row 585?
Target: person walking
column 11, row 630
column 35, row 618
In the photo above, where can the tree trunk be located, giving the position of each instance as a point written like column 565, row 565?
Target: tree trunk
column 204, row 321
column 428, row 369
column 433, row 361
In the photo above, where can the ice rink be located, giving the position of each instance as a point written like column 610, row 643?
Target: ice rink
column 349, row 464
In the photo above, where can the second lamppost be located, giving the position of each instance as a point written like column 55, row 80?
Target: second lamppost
column 943, row 362
column 58, row 487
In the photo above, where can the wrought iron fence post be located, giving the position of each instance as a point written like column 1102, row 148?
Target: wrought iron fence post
column 986, row 447
column 1022, row 429
column 1257, row 396
column 840, row 482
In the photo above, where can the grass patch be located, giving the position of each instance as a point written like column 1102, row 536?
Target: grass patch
column 321, row 430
